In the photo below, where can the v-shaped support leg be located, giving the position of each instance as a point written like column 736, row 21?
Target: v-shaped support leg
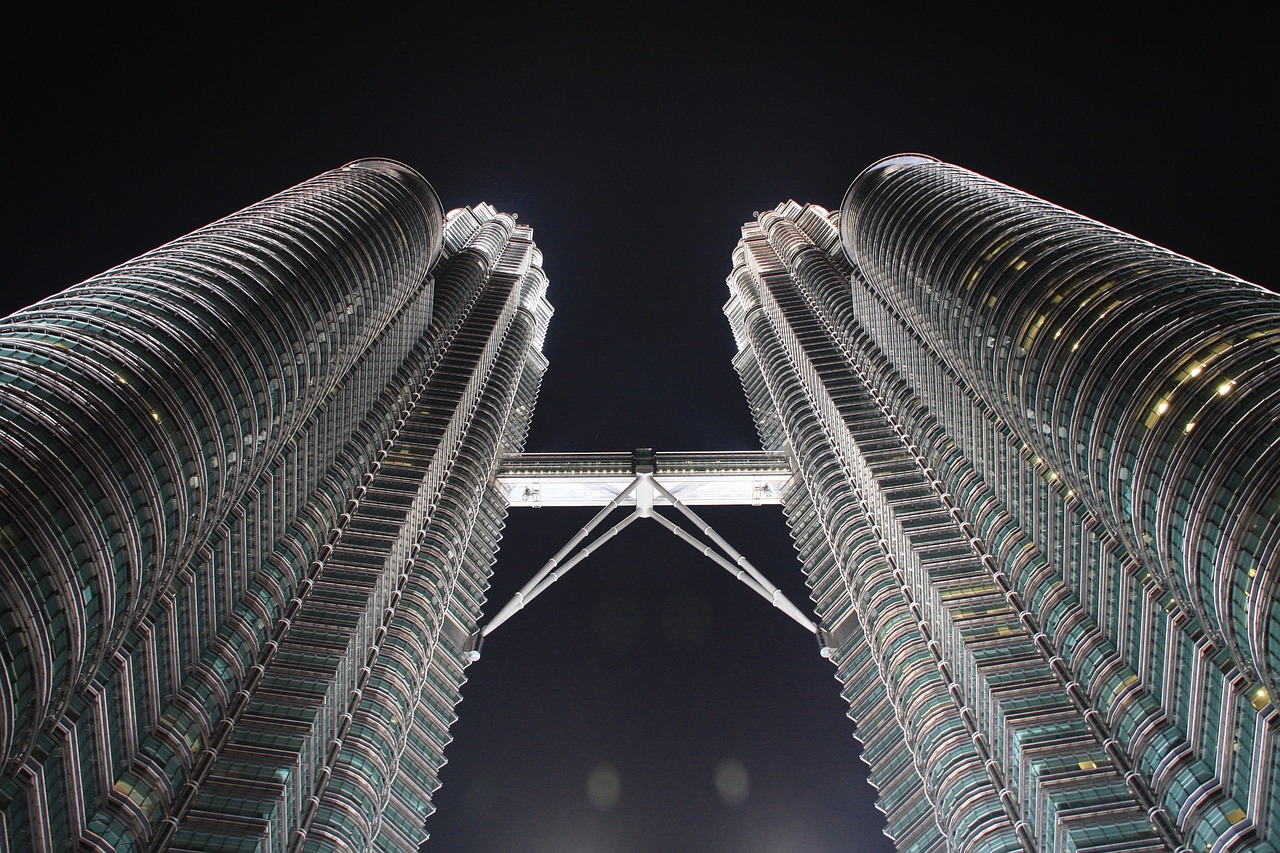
column 646, row 487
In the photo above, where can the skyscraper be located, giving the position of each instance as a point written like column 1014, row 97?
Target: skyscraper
column 1038, row 505
column 247, row 518
column 250, row 492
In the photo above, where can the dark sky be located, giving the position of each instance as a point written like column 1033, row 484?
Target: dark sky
column 635, row 147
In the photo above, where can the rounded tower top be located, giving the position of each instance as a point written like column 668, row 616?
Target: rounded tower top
column 420, row 186
column 863, row 185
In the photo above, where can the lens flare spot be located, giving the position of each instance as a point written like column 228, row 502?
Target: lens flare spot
column 604, row 786
column 732, row 783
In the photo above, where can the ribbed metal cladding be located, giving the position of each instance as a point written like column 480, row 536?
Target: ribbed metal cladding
column 854, row 513
column 933, row 533
column 138, row 407
column 338, row 742
column 1149, row 382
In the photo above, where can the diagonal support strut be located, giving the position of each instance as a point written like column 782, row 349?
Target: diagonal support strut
column 527, row 592
column 762, row 584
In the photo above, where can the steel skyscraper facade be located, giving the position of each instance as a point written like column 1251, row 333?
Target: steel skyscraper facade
column 1037, row 502
column 247, row 519
column 250, row 490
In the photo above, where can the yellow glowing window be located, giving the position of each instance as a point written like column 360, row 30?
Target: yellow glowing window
column 1160, row 408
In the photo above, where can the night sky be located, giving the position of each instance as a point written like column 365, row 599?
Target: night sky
column 635, row 147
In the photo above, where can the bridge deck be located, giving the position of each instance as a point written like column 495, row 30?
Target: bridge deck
column 752, row 478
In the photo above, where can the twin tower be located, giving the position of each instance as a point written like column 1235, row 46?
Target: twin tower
column 252, row 482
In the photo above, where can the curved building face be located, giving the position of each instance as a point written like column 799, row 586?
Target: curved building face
column 247, row 520
column 1040, row 510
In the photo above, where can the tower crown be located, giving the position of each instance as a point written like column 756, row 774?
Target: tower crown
column 863, row 186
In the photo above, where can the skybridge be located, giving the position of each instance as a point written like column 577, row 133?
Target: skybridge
column 751, row 478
